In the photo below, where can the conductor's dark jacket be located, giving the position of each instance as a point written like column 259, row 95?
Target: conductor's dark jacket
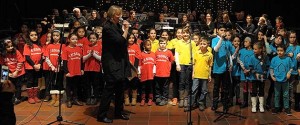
column 115, row 59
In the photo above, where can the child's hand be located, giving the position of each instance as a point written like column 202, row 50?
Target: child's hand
column 14, row 74
column 82, row 72
column 68, row 75
column 290, row 54
column 230, row 68
column 273, row 78
column 53, row 68
column 37, row 67
column 288, row 75
column 178, row 68
column 139, row 76
column 246, row 71
column 257, row 76
column 209, row 79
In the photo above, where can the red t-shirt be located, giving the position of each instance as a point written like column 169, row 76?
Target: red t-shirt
column 164, row 58
column 21, row 42
column 73, row 55
column 147, row 63
column 92, row 64
column 82, row 42
column 35, row 54
column 43, row 39
column 139, row 41
column 52, row 52
column 14, row 62
column 134, row 51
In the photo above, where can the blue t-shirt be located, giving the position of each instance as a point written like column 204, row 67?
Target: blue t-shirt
column 260, row 65
column 281, row 67
column 221, row 58
column 244, row 56
column 295, row 50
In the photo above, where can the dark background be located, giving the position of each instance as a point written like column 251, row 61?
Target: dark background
column 12, row 12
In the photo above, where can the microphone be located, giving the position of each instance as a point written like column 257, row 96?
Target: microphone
column 121, row 20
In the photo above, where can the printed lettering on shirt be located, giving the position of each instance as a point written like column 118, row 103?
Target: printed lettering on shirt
column 74, row 56
column 10, row 61
column 162, row 58
column 148, row 60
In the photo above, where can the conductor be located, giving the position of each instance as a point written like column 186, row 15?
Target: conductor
column 115, row 63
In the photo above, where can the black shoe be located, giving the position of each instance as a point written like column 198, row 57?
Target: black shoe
column 17, row 101
column 47, row 98
column 76, row 102
column 201, row 106
column 268, row 107
column 288, row 112
column 122, row 116
column 225, row 110
column 23, row 98
column 230, row 104
column 275, row 111
column 69, row 104
column 244, row 105
column 88, row 101
column 104, row 119
column 297, row 109
column 214, row 107
column 187, row 109
column 94, row 101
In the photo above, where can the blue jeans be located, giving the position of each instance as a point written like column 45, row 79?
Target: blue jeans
column 185, row 79
column 199, row 90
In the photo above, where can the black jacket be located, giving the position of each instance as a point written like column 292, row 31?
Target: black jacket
column 115, row 59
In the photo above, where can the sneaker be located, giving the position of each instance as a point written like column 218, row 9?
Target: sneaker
column 162, row 103
column 186, row 109
column 275, row 111
column 158, row 100
column 150, row 102
column 174, row 101
column 288, row 112
column 180, row 105
column 201, row 106
column 170, row 102
column 142, row 102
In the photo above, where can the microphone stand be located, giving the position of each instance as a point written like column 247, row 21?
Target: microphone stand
column 190, row 69
column 190, row 122
column 59, row 118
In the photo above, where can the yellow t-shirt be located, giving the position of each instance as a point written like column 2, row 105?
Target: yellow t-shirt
column 172, row 44
column 202, row 64
column 154, row 45
column 183, row 49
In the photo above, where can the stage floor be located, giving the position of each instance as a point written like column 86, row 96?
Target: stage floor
column 149, row 115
